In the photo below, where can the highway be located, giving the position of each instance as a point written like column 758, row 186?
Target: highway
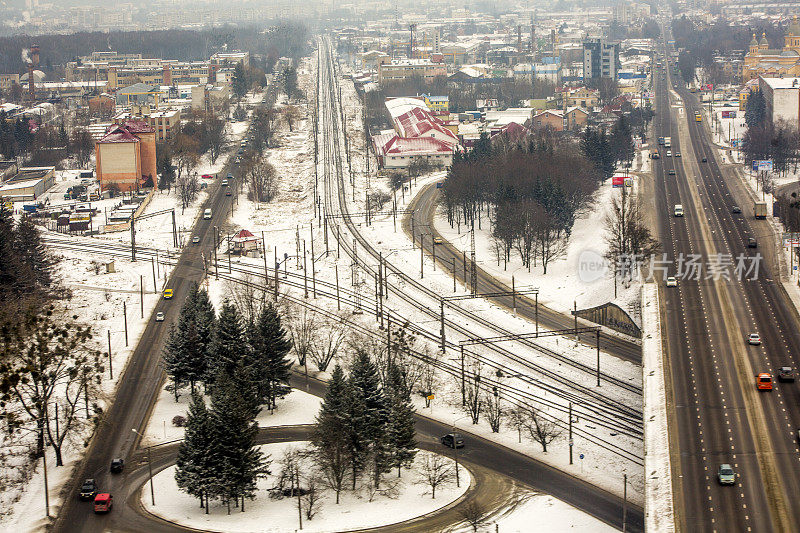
column 718, row 416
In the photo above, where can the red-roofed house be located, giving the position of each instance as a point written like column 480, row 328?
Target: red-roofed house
column 419, row 122
column 400, row 152
column 126, row 155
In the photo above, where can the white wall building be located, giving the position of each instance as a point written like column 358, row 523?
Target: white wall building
column 782, row 96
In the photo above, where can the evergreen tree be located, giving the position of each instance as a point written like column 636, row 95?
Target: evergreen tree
column 400, row 424
column 290, row 82
column 205, row 319
column 368, row 417
column 622, row 141
column 237, row 460
column 184, row 353
column 239, row 80
column 194, row 472
column 228, row 345
column 35, row 261
column 165, row 170
column 270, row 347
column 330, row 437
column 173, row 359
column 9, row 261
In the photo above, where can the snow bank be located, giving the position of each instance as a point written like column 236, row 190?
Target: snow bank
column 659, row 507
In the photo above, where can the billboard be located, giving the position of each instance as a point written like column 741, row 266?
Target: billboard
column 729, row 114
column 760, row 165
column 617, row 181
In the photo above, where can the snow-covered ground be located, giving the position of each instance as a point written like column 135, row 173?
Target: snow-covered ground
column 298, row 407
column 546, row 512
column 265, row 514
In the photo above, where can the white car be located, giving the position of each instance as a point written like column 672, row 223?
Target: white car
column 754, row 339
column 207, row 214
column 669, row 153
column 672, row 282
column 159, row 317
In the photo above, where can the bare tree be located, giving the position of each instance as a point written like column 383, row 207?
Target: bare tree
column 518, row 418
column 311, row 498
column 551, row 239
column 262, row 181
column 188, row 186
column 541, row 429
column 494, row 410
column 302, row 329
column 291, row 115
column 329, row 339
column 428, row 381
column 434, row 472
column 627, row 234
column 473, row 388
column 473, row 514
column 185, row 153
column 247, row 295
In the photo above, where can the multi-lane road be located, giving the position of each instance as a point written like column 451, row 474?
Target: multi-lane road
column 717, row 415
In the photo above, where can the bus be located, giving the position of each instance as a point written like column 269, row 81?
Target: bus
column 698, row 117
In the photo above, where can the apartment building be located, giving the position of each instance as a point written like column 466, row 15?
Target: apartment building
column 600, row 59
column 410, row 68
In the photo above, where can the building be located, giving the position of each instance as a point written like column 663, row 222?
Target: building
column 410, row 68
column 28, row 184
column 600, row 59
column 761, row 60
column 576, row 118
column 580, row 97
column 782, row 98
column 7, row 81
column 165, row 122
column 398, row 152
column 437, row 104
column 7, row 169
column 210, row 96
column 549, row 118
column 126, row 156
column 138, row 93
column 103, row 104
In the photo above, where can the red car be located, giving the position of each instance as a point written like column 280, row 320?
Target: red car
column 208, row 176
column 103, row 503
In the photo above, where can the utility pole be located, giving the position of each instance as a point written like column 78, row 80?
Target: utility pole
column 133, row 239
column 125, row 319
column 174, row 230
column 110, row 367
column 141, row 294
column 421, row 255
column 216, row 263
column 473, row 268
column 463, row 383
column 153, row 264
column 570, row 433
column 441, row 309
column 624, row 503
column 305, row 276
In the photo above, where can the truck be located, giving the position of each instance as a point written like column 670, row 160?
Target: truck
column 667, row 142
column 760, row 210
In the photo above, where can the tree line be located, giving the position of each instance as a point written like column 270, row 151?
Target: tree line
column 768, row 139
column 531, row 194
column 50, row 369
column 44, row 145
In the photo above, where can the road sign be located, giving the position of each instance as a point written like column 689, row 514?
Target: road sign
column 430, row 397
column 581, row 456
column 762, row 164
column 571, row 442
column 439, row 184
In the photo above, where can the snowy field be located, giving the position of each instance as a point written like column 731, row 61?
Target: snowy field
column 268, row 515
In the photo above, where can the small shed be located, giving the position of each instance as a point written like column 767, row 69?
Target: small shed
column 244, row 241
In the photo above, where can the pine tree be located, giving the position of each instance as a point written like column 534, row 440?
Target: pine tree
column 239, row 80
column 270, row 346
column 35, row 261
column 9, row 261
column 173, row 359
column 205, row 319
column 228, row 344
column 368, row 417
column 755, row 113
column 237, row 460
column 194, row 472
column 331, row 432
column 400, row 432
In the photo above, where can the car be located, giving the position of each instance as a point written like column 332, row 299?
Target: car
column 224, row 183
column 672, row 281
column 736, row 209
column 195, row 240
column 208, row 176
column 103, row 503
column 764, row 381
column 726, row 475
column 230, row 176
column 678, row 210
column 672, row 172
column 655, row 155
column 453, row 440
column 704, row 160
column 207, row 214
column 754, row 339
column 160, row 316
column 786, row 374
column 228, row 192
column 751, row 243
column 88, row 489
column 117, row 465
column 677, row 154
column 438, row 240
column 240, row 151
column 168, row 294
column 237, row 160
column 669, row 153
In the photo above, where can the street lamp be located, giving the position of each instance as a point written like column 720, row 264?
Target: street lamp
column 149, row 468
column 455, row 446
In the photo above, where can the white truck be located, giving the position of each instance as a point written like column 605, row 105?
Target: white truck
column 667, row 142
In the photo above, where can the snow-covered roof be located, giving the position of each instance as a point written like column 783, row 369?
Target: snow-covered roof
column 401, row 106
column 417, row 146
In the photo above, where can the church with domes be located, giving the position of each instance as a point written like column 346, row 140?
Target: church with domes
column 761, row 60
